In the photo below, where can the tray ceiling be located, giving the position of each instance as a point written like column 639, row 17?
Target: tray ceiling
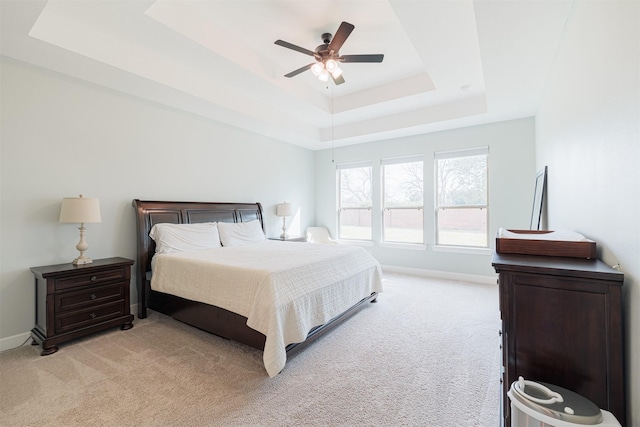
column 447, row 64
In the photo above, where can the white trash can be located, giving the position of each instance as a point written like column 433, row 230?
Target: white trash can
column 541, row 405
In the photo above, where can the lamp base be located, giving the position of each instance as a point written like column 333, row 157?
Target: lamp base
column 284, row 234
column 82, row 246
column 81, row 260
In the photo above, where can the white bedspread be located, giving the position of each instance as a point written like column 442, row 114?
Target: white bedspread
column 283, row 288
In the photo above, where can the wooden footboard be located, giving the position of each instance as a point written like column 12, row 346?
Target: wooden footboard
column 232, row 326
column 318, row 332
column 209, row 318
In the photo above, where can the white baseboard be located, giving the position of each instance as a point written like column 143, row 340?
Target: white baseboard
column 475, row 278
column 14, row 341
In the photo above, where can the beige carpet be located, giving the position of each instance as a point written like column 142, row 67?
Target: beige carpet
column 427, row 354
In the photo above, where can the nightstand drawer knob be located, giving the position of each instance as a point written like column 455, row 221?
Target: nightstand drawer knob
column 94, row 278
column 92, row 315
column 93, row 296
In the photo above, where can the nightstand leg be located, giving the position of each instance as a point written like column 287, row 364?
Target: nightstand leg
column 49, row 350
column 126, row 326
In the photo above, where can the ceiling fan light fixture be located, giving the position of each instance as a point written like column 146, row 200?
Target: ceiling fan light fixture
column 323, row 76
column 317, row 68
column 337, row 72
column 331, row 65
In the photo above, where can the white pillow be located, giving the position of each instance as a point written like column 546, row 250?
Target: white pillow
column 185, row 237
column 241, row 233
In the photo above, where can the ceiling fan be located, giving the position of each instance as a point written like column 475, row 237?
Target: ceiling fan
column 328, row 56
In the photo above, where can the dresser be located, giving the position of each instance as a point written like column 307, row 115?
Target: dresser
column 77, row 300
column 562, row 324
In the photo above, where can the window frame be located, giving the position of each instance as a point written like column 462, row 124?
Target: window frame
column 340, row 209
column 456, row 154
column 384, row 209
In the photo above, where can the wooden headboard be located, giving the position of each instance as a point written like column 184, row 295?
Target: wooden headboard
column 149, row 213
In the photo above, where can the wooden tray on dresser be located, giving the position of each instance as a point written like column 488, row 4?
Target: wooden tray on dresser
column 528, row 246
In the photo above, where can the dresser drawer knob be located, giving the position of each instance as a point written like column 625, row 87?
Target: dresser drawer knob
column 94, row 278
column 93, row 296
column 92, row 315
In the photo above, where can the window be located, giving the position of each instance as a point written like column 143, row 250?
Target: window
column 354, row 201
column 461, row 197
column 402, row 200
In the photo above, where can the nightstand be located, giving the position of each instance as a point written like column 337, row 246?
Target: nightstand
column 77, row 300
column 290, row 239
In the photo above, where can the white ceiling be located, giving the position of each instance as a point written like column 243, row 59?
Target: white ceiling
column 447, row 63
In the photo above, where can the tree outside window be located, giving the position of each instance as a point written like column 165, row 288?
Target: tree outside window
column 403, row 201
column 355, row 202
column 461, row 198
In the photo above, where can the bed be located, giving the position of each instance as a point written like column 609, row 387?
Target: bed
column 287, row 282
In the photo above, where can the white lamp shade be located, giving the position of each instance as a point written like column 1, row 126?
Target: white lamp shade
column 284, row 209
column 80, row 210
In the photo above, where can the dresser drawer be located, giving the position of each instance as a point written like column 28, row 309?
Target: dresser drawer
column 70, row 321
column 89, row 297
column 90, row 278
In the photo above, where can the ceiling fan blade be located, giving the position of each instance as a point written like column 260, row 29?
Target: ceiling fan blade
column 362, row 58
column 299, row 70
column 338, row 80
column 340, row 36
column 294, row 47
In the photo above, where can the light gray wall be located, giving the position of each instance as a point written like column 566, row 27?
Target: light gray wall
column 588, row 133
column 61, row 137
column 511, row 185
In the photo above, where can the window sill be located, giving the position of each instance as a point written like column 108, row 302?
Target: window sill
column 462, row 250
column 408, row 246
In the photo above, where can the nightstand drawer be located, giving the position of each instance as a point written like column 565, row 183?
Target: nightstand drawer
column 90, row 278
column 89, row 316
column 93, row 296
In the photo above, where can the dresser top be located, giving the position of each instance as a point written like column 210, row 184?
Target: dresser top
column 560, row 266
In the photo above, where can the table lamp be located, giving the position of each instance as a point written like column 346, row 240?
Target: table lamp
column 80, row 210
column 284, row 210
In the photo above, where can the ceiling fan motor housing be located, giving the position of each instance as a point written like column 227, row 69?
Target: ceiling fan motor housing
column 323, row 49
